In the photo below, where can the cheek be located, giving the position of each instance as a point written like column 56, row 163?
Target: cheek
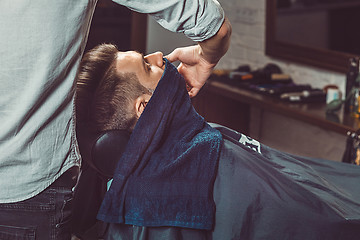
column 156, row 78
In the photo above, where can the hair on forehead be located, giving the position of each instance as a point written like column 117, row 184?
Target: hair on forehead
column 92, row 69
column 104, row 96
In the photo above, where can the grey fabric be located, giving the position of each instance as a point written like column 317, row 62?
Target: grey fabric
column 198, row 20
column 40, row 45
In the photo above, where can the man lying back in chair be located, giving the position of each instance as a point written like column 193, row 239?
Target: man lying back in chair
column 181, row 178
column 122, row 82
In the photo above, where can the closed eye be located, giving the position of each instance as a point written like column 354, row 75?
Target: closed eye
column 147, row 65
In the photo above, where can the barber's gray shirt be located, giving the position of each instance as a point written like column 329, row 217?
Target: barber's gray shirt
column 41, row 44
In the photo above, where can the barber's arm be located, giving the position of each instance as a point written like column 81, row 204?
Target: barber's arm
column 198, row 61
column 202, row 21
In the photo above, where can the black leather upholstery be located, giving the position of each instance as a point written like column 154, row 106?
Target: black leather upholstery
column 107, row 151
column 102, row 150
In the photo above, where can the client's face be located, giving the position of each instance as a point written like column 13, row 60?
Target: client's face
column 148, row 69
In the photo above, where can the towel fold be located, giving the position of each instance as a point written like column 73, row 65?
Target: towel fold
column 166, row 175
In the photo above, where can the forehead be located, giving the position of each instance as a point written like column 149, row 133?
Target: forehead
column 129, row 61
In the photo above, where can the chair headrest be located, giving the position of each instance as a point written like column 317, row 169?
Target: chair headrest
column 102, row 150
column 108, row 149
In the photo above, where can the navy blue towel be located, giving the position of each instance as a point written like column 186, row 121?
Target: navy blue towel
column 166, row 175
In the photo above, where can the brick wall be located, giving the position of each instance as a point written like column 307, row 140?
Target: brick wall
column 248, row 45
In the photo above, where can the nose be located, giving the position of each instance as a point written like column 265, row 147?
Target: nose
column 155, row 59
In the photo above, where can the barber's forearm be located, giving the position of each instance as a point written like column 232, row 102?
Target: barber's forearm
column 216, row 47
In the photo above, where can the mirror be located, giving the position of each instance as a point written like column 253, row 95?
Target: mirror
column 321, row 33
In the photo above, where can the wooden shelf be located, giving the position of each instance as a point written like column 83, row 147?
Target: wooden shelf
column 312, row 113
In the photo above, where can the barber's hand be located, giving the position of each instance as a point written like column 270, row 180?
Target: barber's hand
column 197, row 62
column 194, row 68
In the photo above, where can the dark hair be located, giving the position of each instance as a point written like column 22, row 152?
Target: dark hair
column 104, row 96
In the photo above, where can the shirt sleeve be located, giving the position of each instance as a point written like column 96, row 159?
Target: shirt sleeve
column 197, row 19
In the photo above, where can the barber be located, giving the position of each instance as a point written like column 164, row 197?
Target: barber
column 41, row 45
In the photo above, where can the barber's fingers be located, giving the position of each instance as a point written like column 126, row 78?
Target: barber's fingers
column 187, row 55
column 173, row 56
column 193, row 67
column 193, row 92
column 191, row 77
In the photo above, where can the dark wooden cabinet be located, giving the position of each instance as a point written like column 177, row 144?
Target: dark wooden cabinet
column 217, row 108
column 302, row 129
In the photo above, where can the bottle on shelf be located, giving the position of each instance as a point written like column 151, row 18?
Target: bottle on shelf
column 350, row 80
column 354, row 103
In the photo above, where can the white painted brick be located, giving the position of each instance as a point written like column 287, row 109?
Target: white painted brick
column 237, row 52
column 255, row 57
column 258, row 4
column 256, row 31
column 248, row 45
column 254, row 43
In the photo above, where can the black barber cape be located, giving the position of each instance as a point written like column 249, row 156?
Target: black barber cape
column 264, row 194
column 165, row 176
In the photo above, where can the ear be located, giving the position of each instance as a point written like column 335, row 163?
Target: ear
column 140, row 104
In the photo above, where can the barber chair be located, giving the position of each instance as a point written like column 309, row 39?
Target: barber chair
column 102, row 150
column 100, row 153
